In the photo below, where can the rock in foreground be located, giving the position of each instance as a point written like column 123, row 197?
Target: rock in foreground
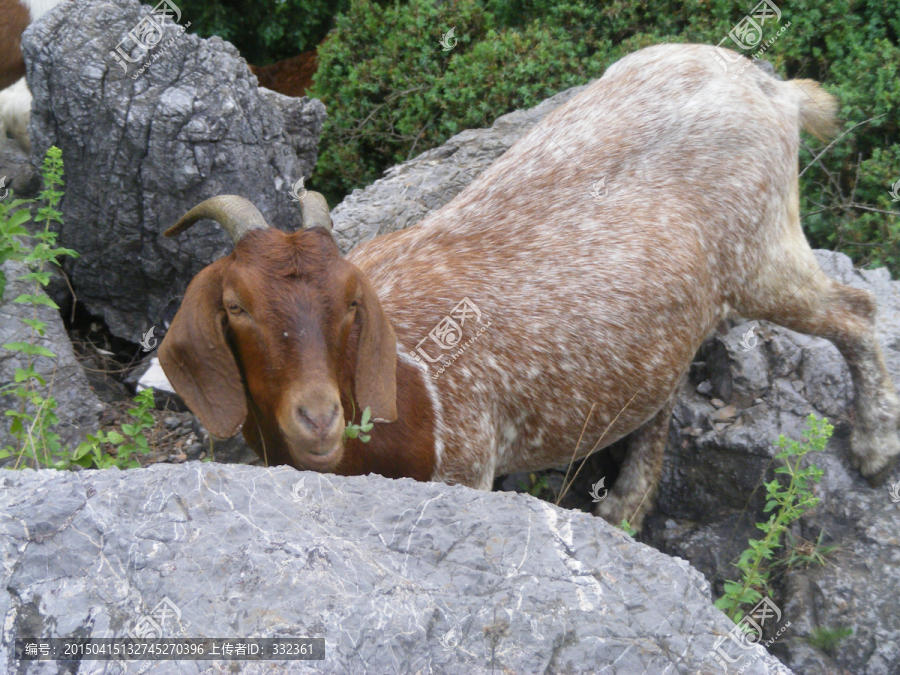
column 397, row 576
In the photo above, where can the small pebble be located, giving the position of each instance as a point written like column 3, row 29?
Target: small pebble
column 171, row 422
column 704, row 387
column 195, row 451
column 178, row 458
column 717, row 402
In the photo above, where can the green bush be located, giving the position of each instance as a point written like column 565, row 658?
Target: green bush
column 392, row 92
column 264, row 31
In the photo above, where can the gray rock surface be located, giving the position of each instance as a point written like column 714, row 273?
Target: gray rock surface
column 17, row 173
column 77, row 406
column 141, row 151
column 431, row 584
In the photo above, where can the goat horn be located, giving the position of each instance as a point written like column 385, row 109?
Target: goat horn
column 314, row 209
column 236, row 215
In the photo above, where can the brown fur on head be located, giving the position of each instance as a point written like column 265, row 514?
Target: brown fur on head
column 279, row 337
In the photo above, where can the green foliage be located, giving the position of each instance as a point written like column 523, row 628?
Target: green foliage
column 34, row 418
column 393, row 92
column 359, row 430
column 264, row 31
column 827, row 639
column 536, row 484
column 805, row 553
column 629, row 530
column 94, row 451
column 786, row 504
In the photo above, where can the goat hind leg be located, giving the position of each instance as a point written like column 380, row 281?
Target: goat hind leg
column 631, row 496
column 846, row 316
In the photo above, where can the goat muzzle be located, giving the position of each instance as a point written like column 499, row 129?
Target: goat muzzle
column 312, row 424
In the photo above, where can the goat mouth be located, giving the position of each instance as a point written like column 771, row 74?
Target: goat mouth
column 321, row 461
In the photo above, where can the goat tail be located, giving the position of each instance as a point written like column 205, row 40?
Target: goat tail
column 818, row 109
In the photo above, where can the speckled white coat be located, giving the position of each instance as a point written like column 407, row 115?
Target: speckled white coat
column 603, row 247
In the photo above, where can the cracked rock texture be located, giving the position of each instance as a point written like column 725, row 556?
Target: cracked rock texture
column 139, row 153
column 78, row 408
column 430, row 585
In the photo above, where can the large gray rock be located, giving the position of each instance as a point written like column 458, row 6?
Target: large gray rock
column 397, row 576
column 141, row 148
column 77, row 406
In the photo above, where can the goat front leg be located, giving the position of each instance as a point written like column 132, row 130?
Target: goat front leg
column 631, row 496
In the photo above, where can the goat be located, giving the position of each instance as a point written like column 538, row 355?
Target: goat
column 15, row 111
column 596, row 301
column 15, row 98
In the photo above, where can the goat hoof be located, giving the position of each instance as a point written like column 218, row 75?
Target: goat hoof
column 875, row 454
column 614, row 510
column 878, row 478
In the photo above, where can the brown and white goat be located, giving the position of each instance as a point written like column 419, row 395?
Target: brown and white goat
column 596, row 301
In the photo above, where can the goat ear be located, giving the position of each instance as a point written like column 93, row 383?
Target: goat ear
column 376, row 358
column 197, row 360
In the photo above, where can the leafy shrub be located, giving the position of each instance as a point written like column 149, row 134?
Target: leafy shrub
column 34, row 417
column 90, row 453
column 264, row 31
column 787, row 503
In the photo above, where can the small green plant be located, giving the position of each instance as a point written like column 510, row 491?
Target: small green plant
column 34, row 417
column 629, row 530
column 131, row 441
column 535, row 485
column 359, row 430
column 787, row 504
column 827, row 639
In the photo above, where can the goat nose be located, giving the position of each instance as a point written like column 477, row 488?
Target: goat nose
column 318, row 422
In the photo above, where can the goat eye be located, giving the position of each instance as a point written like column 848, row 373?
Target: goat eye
column 234, row 308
